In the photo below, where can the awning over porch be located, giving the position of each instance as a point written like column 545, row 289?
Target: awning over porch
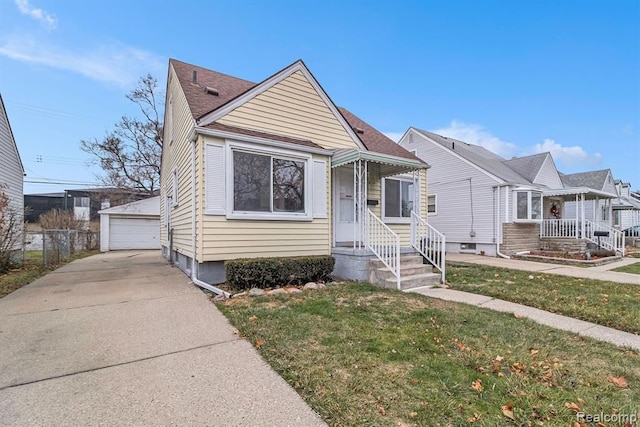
column 589, row 193
column 389, row 165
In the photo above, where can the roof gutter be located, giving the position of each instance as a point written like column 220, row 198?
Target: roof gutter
column 258, row 140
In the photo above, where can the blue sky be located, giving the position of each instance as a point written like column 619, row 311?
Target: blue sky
column 517, row 77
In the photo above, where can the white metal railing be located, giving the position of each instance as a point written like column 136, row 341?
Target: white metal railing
column 384, row 243
column 614, row 241
column 559, row 228
column 429, row 242
column 571, row 228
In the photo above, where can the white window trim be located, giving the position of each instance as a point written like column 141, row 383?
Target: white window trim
column 174, row 187
column 529, row 205
column 394, row 219
column 307, row 215
column 435, row 203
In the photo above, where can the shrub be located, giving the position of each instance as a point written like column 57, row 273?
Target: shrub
column 271, row 272
column 10, row 231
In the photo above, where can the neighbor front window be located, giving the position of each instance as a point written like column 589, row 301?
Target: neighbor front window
column 398, row 198
column 528, row 206
column 431, row 204
column 265, row 183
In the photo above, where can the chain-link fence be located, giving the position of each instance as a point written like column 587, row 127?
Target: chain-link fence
column 51, row 247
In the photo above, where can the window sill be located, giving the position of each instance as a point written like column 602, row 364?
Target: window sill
column 269, row 216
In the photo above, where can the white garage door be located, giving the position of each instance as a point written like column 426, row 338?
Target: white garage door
column 134, row 233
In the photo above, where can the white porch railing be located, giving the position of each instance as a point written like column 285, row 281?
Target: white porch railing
column 384, row 243
column 429, row 242
column 614, row 241
column 559, row 228
column 571, row 228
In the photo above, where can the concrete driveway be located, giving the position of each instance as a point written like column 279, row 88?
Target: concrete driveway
column 123, row 339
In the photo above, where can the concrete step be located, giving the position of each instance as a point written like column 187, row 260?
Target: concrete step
column 415, row 281
column 404, row 260
column 405, row 270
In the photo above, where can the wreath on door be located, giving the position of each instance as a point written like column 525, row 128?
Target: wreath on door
column 554, row 211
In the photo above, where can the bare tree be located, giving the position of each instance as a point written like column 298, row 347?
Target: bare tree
column 130, row 154
column 10, row 230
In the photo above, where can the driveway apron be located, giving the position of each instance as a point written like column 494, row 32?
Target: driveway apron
column 122, row 338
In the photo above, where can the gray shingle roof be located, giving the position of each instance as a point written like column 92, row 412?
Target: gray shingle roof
column 479, row 156
column 527, row 166
column 591, row 179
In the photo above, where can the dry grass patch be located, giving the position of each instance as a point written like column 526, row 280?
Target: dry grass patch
column 360, row 355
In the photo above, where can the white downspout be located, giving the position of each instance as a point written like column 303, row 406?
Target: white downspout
column 194, row 275
column 498, row 226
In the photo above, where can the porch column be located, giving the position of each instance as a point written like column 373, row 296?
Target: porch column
column 582, row 227
column 365, row 206
column 609, row 202
column 577, row 218
column 597, row 211
column 355, row 203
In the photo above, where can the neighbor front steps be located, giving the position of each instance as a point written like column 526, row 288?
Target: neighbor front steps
column 413, row 273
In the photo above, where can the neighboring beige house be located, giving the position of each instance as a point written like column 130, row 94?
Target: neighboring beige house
column 11, row 169
column 275, row 169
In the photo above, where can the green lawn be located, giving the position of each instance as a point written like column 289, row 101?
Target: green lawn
column 31, row 270
column 631, row 268
column 361, row 355
column 605, row 303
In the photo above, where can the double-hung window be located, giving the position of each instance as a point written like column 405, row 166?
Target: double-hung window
column 398, row 199
column 528, row 206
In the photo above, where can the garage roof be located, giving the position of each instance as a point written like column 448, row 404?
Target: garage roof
column 145, row 207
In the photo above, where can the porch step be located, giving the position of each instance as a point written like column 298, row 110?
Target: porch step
column 408, row 259
column 384, row 273
column 413, row 273
column 415, row 281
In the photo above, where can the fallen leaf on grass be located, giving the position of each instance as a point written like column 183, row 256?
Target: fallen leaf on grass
column 259, row 342
column 572, row 406
column 516, row 315
column 507, row 411
column 473, row 419
column 618, row 382
column 382, row 411
column 253, row 319
column 477, row 385
column 534, row 352
column 413, row 414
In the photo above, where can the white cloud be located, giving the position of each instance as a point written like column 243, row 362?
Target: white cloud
column 478, row 135
column 568, row 156
column 115, row 63
column 394, row 136
column 38, row 14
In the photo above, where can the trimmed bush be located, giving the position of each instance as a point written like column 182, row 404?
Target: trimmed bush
column 272, row 272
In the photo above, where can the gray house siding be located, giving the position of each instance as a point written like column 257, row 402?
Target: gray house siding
column 548, row 174
column 11, row 171
column 464, row 196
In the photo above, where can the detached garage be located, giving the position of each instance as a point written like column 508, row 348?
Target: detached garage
column 135, row 225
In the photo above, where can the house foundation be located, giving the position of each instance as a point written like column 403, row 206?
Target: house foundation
column 520, row 237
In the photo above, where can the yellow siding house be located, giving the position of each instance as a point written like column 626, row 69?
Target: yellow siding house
column 275, row 169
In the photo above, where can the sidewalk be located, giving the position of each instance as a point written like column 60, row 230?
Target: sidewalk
column 599, row 273
column 587, row 329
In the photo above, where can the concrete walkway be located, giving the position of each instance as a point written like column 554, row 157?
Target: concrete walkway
column 124, row 339
column 587, row 329
column 602, row 272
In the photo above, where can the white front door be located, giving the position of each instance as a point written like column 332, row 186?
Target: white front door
column 347, row 229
